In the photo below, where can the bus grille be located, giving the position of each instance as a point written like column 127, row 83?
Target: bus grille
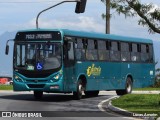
column 36, row 81
column 36, row 85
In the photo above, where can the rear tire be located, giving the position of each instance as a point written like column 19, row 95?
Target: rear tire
column 119, row 92
column 38, row 94
column 128, row 88
column 78, row 94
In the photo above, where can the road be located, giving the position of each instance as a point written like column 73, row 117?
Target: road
column 56, row 104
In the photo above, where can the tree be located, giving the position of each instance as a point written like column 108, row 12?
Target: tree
column 149, row 13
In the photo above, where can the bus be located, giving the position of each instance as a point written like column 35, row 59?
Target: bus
column 68, row 61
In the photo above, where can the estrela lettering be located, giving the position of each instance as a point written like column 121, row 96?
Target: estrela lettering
column 92, row 70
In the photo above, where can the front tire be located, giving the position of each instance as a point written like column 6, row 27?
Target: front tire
column 38, row 94
column 78, row 94
column 128, row 87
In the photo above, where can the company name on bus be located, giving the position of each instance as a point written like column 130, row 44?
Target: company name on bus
column 38, row 36
column 92, row 70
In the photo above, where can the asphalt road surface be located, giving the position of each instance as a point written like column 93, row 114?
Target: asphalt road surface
column 62, row 106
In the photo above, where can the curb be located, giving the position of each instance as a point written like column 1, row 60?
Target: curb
column 11, row 91
column 119, row 110
column 127, row 113
column 146, row 92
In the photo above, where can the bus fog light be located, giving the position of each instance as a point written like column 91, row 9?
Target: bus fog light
column 51, row 80
column 54, row 87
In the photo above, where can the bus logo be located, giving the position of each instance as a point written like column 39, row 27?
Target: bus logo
column 92, row 70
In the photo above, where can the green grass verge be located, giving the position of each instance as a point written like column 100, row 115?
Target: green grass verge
column 6, row 87
column 147, row 89
column 139, row 103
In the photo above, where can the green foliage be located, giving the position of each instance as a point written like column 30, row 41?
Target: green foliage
column 157, row 79
column 149, row 14
column 147, row 89
column 6, row 87
column 139, row 103
column 157, row 84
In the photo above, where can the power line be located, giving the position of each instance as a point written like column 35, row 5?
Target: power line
column 27, row 2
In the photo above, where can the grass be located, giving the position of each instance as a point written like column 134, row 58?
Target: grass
column 147, row 89
column 6, row 87
column 139, row 103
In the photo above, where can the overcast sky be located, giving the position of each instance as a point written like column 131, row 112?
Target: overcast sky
column 20, row 14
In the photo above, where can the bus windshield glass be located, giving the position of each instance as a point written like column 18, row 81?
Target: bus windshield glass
column 37, row 56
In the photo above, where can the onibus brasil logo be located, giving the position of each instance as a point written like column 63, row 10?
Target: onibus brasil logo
column 92, row 70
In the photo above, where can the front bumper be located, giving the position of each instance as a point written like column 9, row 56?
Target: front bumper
column 45, row 87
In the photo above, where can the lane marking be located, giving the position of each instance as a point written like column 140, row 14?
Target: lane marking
column 102, row 102
column 100, row 106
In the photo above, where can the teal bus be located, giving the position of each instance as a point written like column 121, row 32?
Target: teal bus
column 67, row 61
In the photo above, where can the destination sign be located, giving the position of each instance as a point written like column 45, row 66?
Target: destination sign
column 38, row 35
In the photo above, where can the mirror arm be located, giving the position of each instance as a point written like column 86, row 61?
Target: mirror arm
column 9, row 41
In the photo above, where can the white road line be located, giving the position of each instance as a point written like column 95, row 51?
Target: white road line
column 100, row 106
column 102, row 102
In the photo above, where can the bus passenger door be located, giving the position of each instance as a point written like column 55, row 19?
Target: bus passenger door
column 69, row 65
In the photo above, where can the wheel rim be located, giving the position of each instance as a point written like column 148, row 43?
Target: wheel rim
column 80, row 89
column 129, row 87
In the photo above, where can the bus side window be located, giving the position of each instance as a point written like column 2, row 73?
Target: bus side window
column 135, row 54
column 144, row 54
column 91, row 52
column 115, row 51
column 125, row 52
column 80, row 51
column 103, row 52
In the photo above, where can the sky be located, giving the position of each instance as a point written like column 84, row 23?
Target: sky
column 21, row 14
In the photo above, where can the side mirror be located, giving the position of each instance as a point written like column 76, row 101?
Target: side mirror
column 7, row 46
column 7, row 49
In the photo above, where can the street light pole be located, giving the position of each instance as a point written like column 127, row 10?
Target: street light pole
column 52, row 7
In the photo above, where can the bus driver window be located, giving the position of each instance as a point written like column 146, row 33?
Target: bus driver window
column 68, row 53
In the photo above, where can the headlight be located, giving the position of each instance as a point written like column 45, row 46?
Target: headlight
column 56, row 77
column 18, row 79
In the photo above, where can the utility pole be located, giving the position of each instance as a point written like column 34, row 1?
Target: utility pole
column 107, row 16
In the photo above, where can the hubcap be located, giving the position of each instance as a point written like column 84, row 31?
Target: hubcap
column 128, row 88
column 80, row 89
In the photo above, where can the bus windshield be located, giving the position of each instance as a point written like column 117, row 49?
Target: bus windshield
column 37, row 56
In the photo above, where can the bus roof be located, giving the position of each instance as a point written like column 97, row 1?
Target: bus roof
column 105, row 36
column 95, row 35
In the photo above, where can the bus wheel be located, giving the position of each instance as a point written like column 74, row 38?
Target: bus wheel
column 78, row 94
column 128, row 88
column 38, row 94
column 92, row 93
column 119, row 92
